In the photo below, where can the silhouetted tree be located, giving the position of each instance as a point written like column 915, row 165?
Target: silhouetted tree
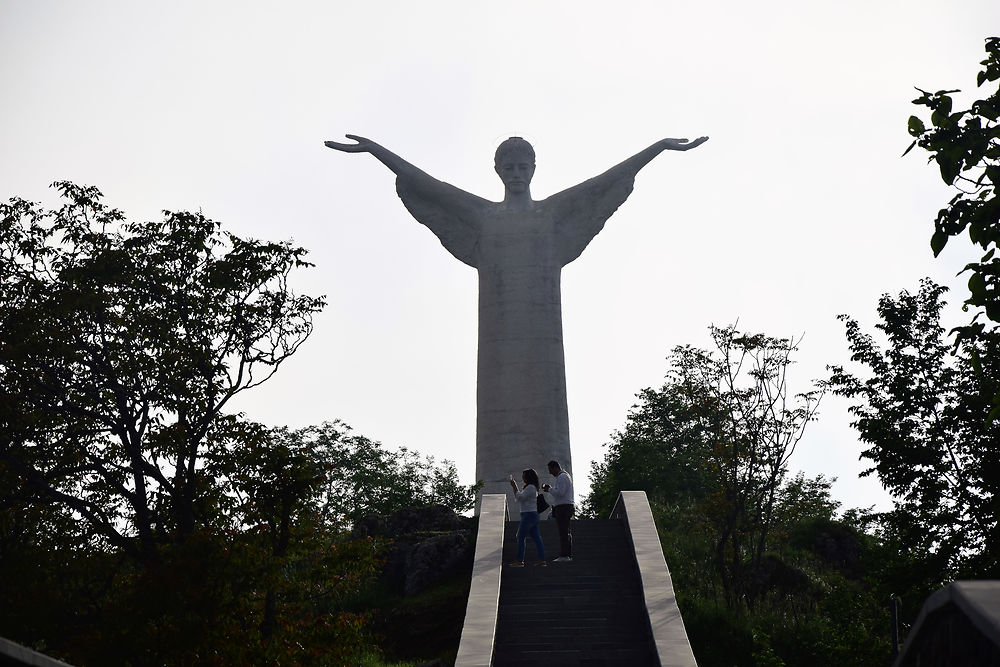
column 120, row 345
column 139, row 523
column 755, row 425
column 661, row 450
column 710, row 447
column 716, row 436
column 921, row 406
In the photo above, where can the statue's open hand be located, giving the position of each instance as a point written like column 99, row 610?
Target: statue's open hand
column 362, row 146
column 682, row 144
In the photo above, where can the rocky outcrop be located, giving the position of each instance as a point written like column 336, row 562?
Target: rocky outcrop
column 435, row 559
column 427, row 545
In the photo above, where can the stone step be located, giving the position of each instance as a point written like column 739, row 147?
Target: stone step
column 561, row 616
column 582, row 641
column 577, row 602
column 586, row 627
column 567, row 617
column 543, row 585
column 554, row 657
column 524, row 602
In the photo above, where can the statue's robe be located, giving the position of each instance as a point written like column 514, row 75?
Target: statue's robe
column 521, row 417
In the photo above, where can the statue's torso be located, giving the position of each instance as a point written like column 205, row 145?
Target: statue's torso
column 522, row 238
column 522, row 416
column 519, row 275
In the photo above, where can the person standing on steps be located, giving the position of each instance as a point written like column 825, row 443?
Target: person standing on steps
column 527, row 501
column 562, row 508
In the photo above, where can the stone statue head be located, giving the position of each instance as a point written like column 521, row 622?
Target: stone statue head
column 515, row 164
column 514, row 145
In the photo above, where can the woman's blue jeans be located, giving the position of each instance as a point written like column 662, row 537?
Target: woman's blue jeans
column 529, row 528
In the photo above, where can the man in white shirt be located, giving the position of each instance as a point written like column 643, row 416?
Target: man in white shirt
column 562, row 508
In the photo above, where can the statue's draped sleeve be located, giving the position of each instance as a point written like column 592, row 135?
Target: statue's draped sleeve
column 581, row 211
column 454, row 215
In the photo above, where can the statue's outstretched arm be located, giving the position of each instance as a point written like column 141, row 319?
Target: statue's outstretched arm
column 626, row 170
column 633, row 164
column 453, row 214
column 398, row 165
column 415, row 179
column 581, row 211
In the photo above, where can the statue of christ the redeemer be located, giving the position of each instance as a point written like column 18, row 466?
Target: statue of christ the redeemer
column 519, row 247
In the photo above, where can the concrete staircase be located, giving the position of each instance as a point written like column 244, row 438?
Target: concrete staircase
column 586, row 612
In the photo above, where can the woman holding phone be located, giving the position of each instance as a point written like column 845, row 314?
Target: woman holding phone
column 528, row 505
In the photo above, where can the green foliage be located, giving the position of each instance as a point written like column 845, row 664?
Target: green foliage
column 139, row 524
column 845, row 627
column 965, row 144
column 922, row 408
column 802, row 498
column 740, row 395
column 661, row 450
column 359, row 476
column 121, row 344
column 427, row 625
column 805, row 596
column 203, row 601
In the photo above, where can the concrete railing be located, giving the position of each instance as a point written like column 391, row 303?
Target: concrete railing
column 12, row 653
column 669, row 635
column 476, row 646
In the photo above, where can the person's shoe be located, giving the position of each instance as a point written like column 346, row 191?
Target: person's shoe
column 541, row 563
column 517, row 563
column 563, row 559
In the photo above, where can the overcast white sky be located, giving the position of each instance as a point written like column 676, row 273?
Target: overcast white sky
column 797, row 209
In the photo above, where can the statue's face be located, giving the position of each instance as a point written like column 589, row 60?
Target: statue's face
column 516, row 171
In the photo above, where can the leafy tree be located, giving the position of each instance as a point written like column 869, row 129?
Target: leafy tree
column 120, row 345
column 803, row 498
column 718, row 436
column 364, row 477
column 812, row 600
column 965, row 144
column 662, row 450
column 922, row 408
column 740, row 390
